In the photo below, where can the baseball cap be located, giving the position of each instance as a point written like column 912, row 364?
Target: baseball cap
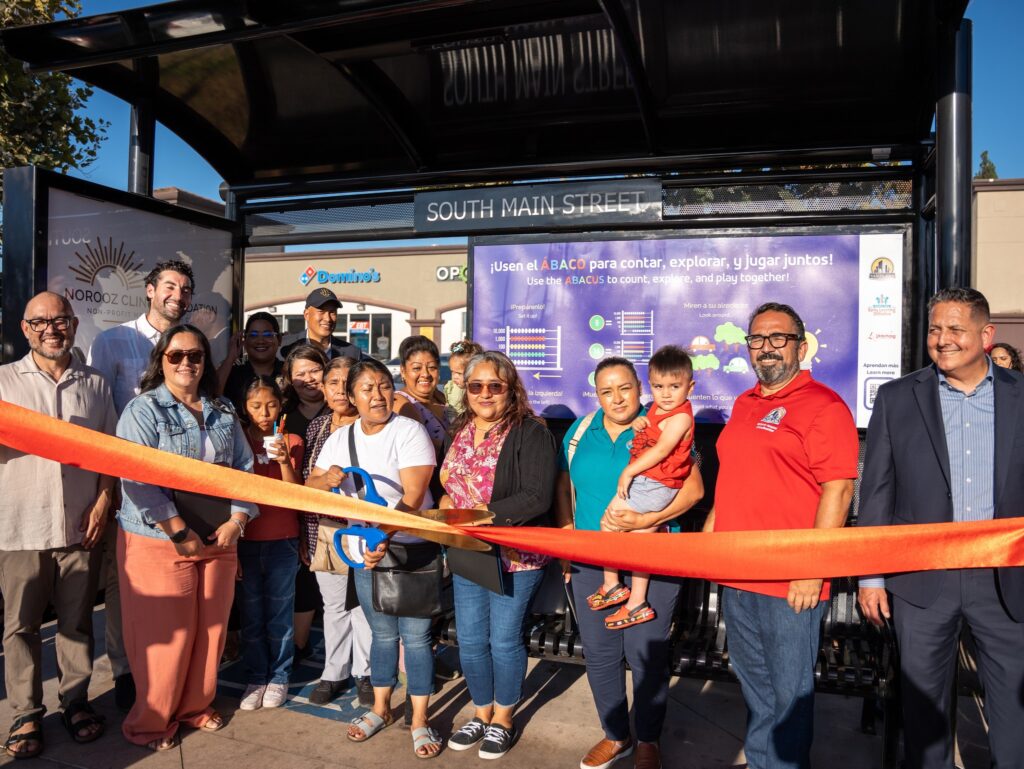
column 320, row 297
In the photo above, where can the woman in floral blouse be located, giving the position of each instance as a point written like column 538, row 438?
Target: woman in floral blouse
column 503, row 459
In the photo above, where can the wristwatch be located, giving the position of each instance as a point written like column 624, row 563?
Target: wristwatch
column 180, row 536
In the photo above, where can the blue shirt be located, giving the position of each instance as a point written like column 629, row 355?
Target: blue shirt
column 969, row 421
column 157, row 419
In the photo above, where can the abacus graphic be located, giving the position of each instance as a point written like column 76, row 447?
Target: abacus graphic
column 532, row 348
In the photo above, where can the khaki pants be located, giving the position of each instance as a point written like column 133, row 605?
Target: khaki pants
column 112, row 596
column 30, row 580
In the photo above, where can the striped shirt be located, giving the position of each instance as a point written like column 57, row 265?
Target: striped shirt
column 969, row 421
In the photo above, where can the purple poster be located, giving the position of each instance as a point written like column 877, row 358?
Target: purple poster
column 556, row 309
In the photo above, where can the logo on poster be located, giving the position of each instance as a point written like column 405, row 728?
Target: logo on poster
column 882, row 306
column 882, row 268
column 106, row 260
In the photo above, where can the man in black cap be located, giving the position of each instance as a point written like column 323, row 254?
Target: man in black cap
column 321, row 316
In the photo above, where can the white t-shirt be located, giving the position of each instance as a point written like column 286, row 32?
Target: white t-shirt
column 402, row 443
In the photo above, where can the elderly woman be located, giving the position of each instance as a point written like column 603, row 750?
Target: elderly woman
column 502, row 459
column 176, row 588
column 346, row 634
column 593, row 456
column 399, row 456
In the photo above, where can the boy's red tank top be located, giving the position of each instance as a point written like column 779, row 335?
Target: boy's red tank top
column 674, row 468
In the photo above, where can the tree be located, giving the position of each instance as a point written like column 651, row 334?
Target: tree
column 987, row 169
column 40, row 115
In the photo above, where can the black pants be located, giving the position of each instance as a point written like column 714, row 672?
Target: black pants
column 645, row 647
column 928, row 655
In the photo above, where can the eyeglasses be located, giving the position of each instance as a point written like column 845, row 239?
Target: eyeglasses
column 778, row 341
column 494, row 388
column 195, row 357
column 60, row 323
column 261, row 334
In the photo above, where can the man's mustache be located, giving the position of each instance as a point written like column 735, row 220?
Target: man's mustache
column 768, row 356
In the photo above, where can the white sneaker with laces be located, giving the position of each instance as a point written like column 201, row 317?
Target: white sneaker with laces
column 252, row 699
column 275, row 695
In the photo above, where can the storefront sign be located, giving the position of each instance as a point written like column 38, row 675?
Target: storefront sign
column 453, row 272
column 539, row 205
column 313, row 275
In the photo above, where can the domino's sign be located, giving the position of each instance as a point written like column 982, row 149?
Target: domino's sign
column 353, row 275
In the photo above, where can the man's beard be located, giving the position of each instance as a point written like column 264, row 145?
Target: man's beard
column 49, row 354
column 773, row 375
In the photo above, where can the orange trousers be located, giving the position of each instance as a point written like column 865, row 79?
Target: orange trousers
column 175, row 613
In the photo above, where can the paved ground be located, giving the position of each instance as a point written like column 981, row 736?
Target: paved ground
column 557, row 722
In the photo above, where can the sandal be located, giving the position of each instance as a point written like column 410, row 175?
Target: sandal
column 36, row 736
column 74, row 728
column 214, row 723
column 616, row 594
column 368, row 724
column 423, row 737
column 625, row 617
column 166, row 743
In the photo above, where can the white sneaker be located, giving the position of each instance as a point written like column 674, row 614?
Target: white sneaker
column 253, row 697
column 275, row 695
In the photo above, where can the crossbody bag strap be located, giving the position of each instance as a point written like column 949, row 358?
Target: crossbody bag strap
column 353, row 459
column 577, row 436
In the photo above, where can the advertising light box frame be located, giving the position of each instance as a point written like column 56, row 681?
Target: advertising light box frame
column 31, row 258
column 839, row 353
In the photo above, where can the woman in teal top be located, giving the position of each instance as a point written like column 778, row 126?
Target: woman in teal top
column 601, row 454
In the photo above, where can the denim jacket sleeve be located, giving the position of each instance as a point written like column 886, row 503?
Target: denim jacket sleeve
column 242, row 459
column 138, row 424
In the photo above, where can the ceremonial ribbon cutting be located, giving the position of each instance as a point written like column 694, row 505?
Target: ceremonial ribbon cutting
column 732, row 556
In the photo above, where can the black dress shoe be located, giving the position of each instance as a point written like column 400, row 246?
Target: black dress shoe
column 124, row 692
column 325, row 691
column 365, row 689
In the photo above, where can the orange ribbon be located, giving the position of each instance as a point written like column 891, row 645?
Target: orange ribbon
column 725, row 556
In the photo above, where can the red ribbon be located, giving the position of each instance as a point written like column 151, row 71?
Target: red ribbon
column 725, row 556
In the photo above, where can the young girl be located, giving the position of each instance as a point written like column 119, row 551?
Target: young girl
column 659, row 463
column 268, row 555
column 455, row 388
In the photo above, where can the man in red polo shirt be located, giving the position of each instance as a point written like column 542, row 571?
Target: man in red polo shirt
column 788, row 458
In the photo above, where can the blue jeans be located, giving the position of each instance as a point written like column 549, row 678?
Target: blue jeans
column 268, row 601
column 773, row 651
column 386, row 631
column 490, row 634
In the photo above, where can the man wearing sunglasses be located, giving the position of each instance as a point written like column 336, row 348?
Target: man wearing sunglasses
column 121, row 354
column 788, row 460
column 321, row 315
column 52, row 516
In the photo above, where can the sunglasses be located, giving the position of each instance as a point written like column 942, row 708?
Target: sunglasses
column 261, row 334
column 494, row 388
column 195, row 357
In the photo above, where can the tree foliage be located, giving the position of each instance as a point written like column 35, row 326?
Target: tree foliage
column 41, row 120
column 987, row 169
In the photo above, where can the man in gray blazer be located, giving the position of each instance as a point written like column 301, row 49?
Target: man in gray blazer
column 946, row 443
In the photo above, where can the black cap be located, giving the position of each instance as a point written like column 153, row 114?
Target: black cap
column 320, row 297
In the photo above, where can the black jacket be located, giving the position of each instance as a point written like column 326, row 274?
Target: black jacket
column 339, row 348
column 906, row 471
column 524, row 478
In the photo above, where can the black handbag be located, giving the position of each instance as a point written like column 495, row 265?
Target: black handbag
column 407, row 580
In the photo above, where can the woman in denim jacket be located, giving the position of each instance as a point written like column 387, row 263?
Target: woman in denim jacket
column 176, row 589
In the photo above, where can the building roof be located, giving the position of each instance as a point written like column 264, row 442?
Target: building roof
column 499, row 89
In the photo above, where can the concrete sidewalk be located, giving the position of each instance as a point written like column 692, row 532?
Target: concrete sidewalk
column 557, row 723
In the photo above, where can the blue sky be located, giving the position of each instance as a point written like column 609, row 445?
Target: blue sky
column 998, row 107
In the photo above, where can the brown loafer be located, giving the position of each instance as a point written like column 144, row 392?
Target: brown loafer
column 648, row 756
column 605, row 753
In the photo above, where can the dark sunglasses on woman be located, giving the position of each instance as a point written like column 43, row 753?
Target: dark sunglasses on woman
column 494, row 388
column 174, row 357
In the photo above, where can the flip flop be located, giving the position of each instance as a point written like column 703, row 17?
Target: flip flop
column 214, row 723
column 423, row 737
column 625, row 617
column 167, row 743
column 368, row 724
column 616, row 594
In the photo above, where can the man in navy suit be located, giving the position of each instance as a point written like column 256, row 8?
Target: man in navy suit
column 946, row 443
